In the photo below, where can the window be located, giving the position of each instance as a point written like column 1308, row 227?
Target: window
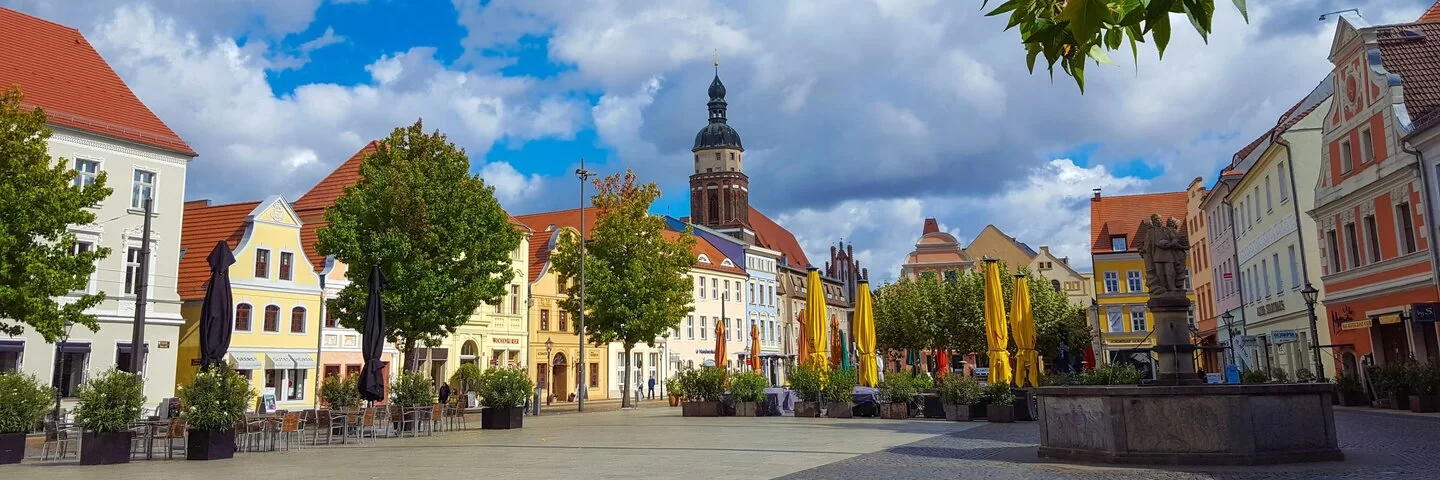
column 85, row 172
column 704, row 327
column 1132, row 280
column 295, row 389
column 262, row 263
column 1352, row 245
column 1055, row 284
column 1279, row 280
column 595, row 372
column 1283, row 183
column 1116, row 320
column 1265, row 276
column 702, row 286
column 1112, row 282
column 287, row 261
column 1347, row 162
column 272, row 318
column 715, row 285
column 545, row 320
column 1117, row 243
column 124, row 352
column 1334, row 250
column 1137, row 319
column 564, row 321
column 330, row 318
column 132, row 270
column 690, row 327
column 514, row 299
column 1372, row 239
column 1190, row 316
column 1294, row 269
column 1406, row 224
column 1367, row 146
column 297, row 320
column 1269, row 204
column 142, row 188
column 752, row 293
column 82, row 246
column 1256, row 217
column 951, row 275
column 242, row 317
column 10, row 351
column 73, row 359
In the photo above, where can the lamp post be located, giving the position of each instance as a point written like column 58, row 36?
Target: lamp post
column 1311, row 295
column 1230, row 329
column 60, row 352
column 550, row 368
column 580, row 390
column 1099, row 333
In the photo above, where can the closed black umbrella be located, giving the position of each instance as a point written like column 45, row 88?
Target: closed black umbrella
column 372, row 383
column 217, row 315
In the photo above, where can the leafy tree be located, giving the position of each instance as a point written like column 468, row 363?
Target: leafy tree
column 637, row 288
column 38, row 202
column 1069, row 31
column 436, row 231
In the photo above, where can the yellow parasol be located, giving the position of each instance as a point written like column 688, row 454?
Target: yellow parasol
column 834, row 343
column 865, row 336
column 815, row 318
column 996, row 335
column 1022, row 320
column 755, row 348
column 720, row 344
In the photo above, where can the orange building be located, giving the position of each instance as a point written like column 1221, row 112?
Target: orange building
column 937, row 252
column 1201, row 275
column 1368, row 206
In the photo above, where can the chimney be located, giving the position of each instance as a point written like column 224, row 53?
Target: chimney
column 931, row 226
column 1097, row 195
column 197, row 203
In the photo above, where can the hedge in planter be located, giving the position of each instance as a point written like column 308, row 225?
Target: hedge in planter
column 896, row 392
column 23, row 403
column 703, row 390
column 748, row 389
column 674, row 391
column 109, row 404
column 808, row 381
column 839, row 393
column 1351, row 394
column 466, row 379
column 211, row 405
column 1423, row 382
column 999, row 403
column 503, row 392
column 961, row 396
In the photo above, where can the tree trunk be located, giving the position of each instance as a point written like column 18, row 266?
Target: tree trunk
column 411, row 365
column 625, row 380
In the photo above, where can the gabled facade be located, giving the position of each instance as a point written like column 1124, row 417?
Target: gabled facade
column 936, row 252
column 99, row 125
column 554, row 361
column 276, row 294
column 1075, row 285
column 1200, row 274
column 993, row 243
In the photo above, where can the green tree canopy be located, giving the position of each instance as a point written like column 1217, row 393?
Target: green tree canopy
column 39, row 200
column 1069, row 31
column 436, row 231
column 636, row 276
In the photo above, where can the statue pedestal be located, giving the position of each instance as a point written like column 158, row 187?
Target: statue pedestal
column 1176, row 365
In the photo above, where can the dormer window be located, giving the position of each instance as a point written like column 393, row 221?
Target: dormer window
column 1117, row 243
column 727, row 263
column 704, row 259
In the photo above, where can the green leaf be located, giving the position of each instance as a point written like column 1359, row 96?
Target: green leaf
column 1085, row 17
column 1156, row 10
column 1201, row 13
column 1113, row 37
column 1160, row 29
column 1034, row 51
column 1098, row 53
column 1244, row 13
column 1005, row 7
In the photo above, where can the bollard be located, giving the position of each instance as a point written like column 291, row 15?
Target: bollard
column 537, row 404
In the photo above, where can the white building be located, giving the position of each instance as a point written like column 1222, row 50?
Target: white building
column 719, row 296
column 100, row 126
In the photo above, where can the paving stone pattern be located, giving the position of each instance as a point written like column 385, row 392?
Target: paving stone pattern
column 1376, row 445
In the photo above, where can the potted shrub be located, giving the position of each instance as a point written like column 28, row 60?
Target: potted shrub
column 466, row 379
column 1304, row 375
column 748, row 389
column 896, row 392
column 23, row 403
column 1351, row 394
column 1424, row 384
column 109, row 404
column 703, row 390
column 674, row 390
column 340, row 393
column 999, row 403
column 503, row 391
column 961, row 398
column 808, row 382
column 1254, row 377
column 211, row 405
column 410, row 392
column 1117, row 374
column 928, row 400
column 839, row 390
column 1393, row 384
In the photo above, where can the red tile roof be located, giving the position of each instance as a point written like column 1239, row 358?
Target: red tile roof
column 202, row 226
column 1412, row 51
column 775, row 237
column 1122, row 215
column 323, row 194
column 58, row 71
column 546, row 224
column 309, row 238
column 1431, row 15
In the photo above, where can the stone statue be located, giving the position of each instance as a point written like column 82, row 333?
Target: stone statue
column 1165, row 252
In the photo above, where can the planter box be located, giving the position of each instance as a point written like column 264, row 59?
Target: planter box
column 1000, row 413
column 674, row 401
column 932, row 406
column 700, row 409
column 979, row 411
column 105, row 448
column 807, row 409
column 964, row 413
column 502, row 418
column 12, row 448
column 840, row 410
column 1425, row 403
column 1352, row 398
column 1400, row 402
column 747, row 409
column 895, row 411
column 209, row 445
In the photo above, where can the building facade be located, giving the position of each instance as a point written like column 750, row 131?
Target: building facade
column 99, row 125
column 1202, row 278
column 1368, row 205
column 762, row 310
column 1062, row 277
column 555, row 362
column 993, row 243
column 1424, row 138
column 936, row 252
column 276, row 294
column 1116, row 235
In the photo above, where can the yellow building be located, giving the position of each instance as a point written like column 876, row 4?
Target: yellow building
column 555, row 363
column 276, row 294
column 495, row 335
column 1125, row 325
column 993, row 243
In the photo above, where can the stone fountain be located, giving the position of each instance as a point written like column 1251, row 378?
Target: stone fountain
column 1176, row 418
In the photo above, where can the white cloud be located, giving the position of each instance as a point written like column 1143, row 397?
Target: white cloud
column 511, row 186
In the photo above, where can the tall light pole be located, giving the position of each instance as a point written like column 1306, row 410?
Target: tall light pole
column 60, row 352
column 1099, row 334
column 142, row 284
column 1311, row 295
column 1230, row 332
column 584, row 176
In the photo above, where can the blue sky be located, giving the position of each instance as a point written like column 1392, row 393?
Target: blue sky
column 859, row 119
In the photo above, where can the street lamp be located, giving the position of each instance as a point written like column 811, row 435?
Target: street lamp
column 1230, row 329
column 60, row 352
column 1099, row 333
column 1311, row 295
column 550, row 374
column 584, row 176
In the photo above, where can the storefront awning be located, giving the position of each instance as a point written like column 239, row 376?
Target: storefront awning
column 12, row 346
column 72, row 347
column 246, row 361
column 303, row 361
column 1389, row 318
column 279, row 361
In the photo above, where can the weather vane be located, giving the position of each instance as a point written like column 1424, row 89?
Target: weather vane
column 717, row 61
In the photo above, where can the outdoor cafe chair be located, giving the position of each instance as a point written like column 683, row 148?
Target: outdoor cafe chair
column 255, row 429
column 368, row 420
column 437, row 418
column 290, row 429
column 455, row 416
column 58, row 440
column 410, row 421
column 175, row 438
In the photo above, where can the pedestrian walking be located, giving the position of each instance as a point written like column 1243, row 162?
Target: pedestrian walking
column 444, row 393
column 652, row 387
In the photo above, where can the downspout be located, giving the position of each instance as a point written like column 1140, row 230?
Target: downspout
column 1239, row 272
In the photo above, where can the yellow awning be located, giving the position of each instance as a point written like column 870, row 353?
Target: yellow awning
column 1389, row 318
column 815, row 317
column 997, row 336
column 1022, row 321
column 865, row 336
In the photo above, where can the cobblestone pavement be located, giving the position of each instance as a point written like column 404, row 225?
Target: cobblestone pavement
column 1376, row 446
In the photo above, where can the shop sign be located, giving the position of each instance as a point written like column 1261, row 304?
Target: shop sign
column 1284, row 336
column 1389, row 318
column 1249, row 341
column 1355, row 325
column 1342, row 315
column 705, row 351
column 505, row 340
column 1269, row 308
column 164, row 344
column 1425, row 312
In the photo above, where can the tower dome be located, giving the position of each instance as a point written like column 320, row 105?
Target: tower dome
column 718, row 133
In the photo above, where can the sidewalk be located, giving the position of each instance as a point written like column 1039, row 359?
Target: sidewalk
column 602, row 405
column 1431, row 417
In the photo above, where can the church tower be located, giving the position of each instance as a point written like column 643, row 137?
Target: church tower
column 719, row 189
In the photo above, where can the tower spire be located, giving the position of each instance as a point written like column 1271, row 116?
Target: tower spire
column 717, row 63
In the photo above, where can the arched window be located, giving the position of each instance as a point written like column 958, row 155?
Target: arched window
column 729, row 203
column 272, row 318
column 713, row 203
column 297, row 320
column 242, row 317
column 704, row 258
column 470, row 353
column 1055, row 284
